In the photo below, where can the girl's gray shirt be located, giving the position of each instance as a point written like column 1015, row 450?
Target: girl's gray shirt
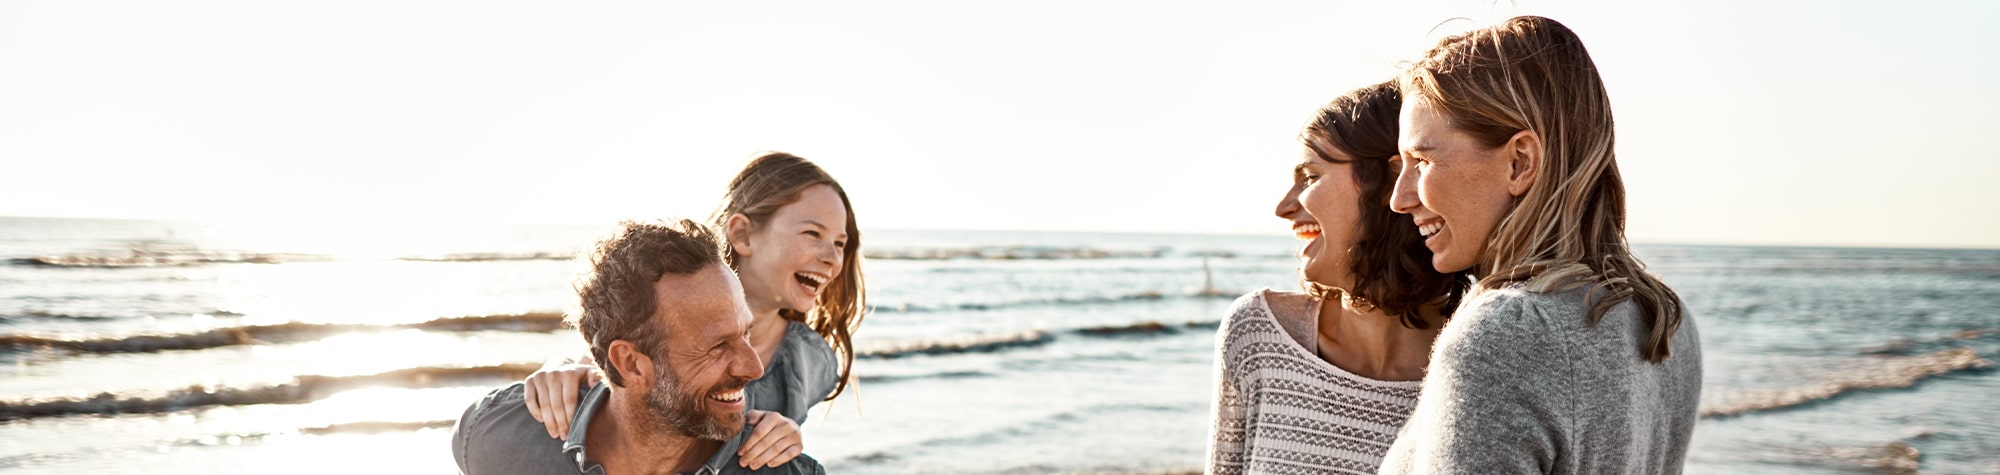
column 1521, row 382
column 802, row 373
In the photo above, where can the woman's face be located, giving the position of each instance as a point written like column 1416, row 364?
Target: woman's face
column 789, row 260
column 1454, row 188
column 1322, row 206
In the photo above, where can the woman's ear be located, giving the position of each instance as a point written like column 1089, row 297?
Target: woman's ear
column 1524, row 152
column 633, row 366
column 737, row 230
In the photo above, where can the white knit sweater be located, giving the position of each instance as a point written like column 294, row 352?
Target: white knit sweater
column 1280, row 409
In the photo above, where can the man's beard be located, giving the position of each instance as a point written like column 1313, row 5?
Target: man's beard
column 685, row 413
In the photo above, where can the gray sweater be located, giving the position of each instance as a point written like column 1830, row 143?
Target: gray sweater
column 1520, row 382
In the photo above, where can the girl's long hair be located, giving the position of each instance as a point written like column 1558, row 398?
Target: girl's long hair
column 771, row 181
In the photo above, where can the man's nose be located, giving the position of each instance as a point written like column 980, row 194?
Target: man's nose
column 748, row 364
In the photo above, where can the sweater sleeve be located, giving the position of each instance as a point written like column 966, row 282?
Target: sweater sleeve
column 815, row 371
column 1495, row 399
column 1225, row 435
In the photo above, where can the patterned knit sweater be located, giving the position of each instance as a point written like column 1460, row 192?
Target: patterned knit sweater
column 1281, row 409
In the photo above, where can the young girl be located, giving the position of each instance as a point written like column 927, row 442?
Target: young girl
column 1318, row 382
column 793, row 243
column 1567, row 357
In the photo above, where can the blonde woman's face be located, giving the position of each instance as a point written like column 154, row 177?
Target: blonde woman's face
column 1454, row 188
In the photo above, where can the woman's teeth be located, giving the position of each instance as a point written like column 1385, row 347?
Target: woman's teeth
column 1429, row 230
column 1306, row 230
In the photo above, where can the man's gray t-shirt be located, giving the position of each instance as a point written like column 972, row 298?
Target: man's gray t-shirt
column 497, row 435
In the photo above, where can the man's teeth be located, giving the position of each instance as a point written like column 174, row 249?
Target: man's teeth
column 729, row 396
column 1429, row 230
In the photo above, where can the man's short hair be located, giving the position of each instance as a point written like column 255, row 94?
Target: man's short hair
column 616, row 298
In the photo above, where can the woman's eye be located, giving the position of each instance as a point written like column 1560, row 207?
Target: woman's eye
column 812, row 233
column 1311, row 178
column 840, row 244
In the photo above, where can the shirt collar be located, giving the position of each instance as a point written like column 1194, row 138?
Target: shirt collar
column 580, row 426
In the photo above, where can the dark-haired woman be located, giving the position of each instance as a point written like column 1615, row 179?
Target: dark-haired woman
column 1319, row 382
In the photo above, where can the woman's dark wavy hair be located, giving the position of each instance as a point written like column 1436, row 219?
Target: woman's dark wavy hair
column 1392, row 268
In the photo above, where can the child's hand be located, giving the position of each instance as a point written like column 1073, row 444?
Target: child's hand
column 775, row 440
column 551, row 394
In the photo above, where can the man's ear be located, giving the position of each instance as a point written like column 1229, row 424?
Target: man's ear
column 632, row 365
column 737, row 230
column 1524, row 153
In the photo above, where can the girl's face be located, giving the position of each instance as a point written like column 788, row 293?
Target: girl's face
column 789, row 260
column 1322, row 208
column 1455, row 188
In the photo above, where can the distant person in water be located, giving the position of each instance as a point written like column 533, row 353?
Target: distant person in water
column 1318, row 382
column 667, row 322
column 1567, row 357
column 793, row 242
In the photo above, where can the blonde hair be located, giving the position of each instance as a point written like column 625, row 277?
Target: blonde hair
column 1568, row 229
column 776, row 179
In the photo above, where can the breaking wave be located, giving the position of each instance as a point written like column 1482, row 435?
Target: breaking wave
column 495, row 256
column 376, row 427
column 884, row 378
column 302, row 389
column 1887, row 373
column 1010, row 253
column 1144, row 296
column 282, row 332
column 1148, row 328
column 961, row 346
column 155, row 256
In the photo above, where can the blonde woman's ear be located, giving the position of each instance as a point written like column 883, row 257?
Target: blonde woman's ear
column 1525, row 150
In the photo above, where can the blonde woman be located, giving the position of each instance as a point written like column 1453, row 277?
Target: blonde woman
column 1567, row 357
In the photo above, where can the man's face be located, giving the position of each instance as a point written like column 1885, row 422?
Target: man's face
column 707, row 358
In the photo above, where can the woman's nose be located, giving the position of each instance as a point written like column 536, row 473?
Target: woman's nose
column 1403, row 199
column 1289, row 206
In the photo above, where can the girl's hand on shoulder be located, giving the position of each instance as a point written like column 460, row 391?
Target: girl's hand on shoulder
column 774, row 441
column 551, row 393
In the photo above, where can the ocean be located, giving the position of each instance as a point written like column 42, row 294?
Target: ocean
column 176, row 347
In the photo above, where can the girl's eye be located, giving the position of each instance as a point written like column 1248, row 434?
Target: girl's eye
column 1311, row 178
column 840, row 244
column 812, row 233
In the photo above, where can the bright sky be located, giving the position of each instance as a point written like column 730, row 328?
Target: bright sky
column 1809, row 123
